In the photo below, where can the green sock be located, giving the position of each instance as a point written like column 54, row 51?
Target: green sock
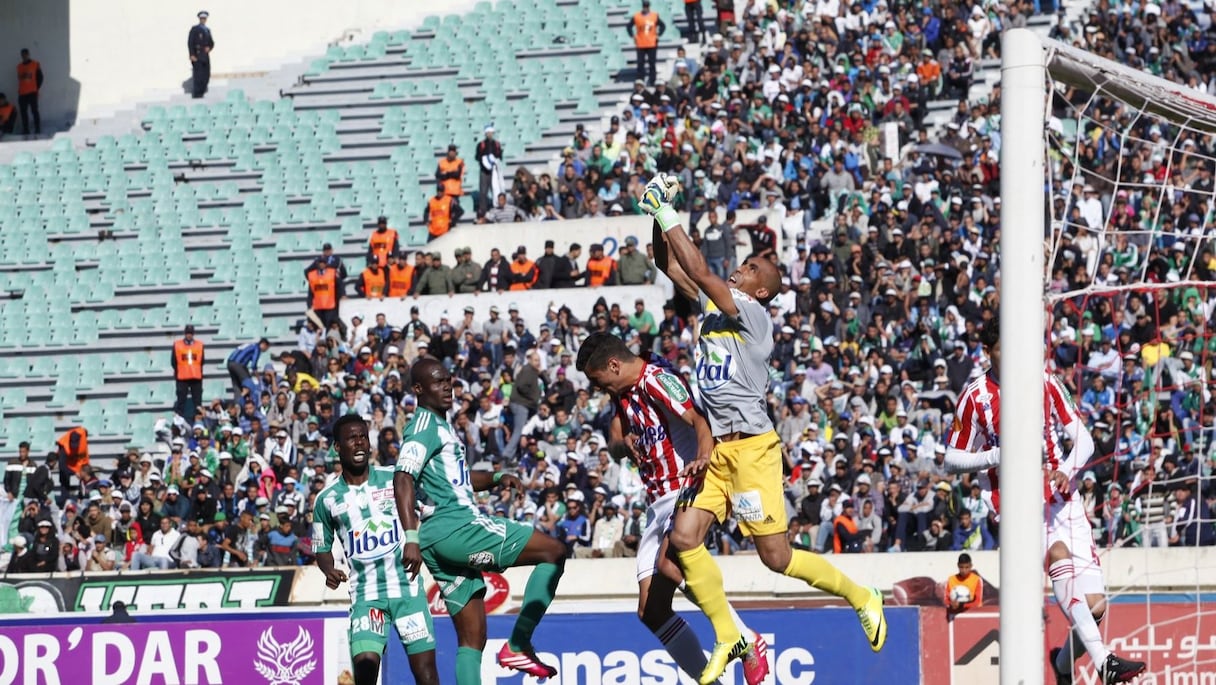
column 538, row 595
column 468, row 666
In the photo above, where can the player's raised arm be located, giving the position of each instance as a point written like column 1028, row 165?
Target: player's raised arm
column 662, row 259
column 656, row 202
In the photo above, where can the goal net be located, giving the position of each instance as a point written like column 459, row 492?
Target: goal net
column 1128, row 300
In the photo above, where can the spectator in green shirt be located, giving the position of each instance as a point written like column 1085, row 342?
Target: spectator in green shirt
column 643, row 323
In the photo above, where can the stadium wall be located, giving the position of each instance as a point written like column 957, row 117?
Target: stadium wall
column 100, row 57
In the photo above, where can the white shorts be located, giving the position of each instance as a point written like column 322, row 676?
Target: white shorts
column 659, row 518
column 1067, row 523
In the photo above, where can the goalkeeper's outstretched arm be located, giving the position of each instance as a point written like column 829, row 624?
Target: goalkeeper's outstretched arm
column 656, row 202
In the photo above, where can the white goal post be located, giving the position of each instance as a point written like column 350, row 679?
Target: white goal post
column 1023, row 113
column 1030, row 67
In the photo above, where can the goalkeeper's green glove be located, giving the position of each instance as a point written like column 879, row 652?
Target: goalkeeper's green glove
column 656, row 198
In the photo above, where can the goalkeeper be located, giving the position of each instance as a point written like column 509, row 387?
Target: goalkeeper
column 744, row 475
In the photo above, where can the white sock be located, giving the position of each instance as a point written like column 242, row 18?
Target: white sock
column 1076, row 610
column 683, row 646
column 1071, row 649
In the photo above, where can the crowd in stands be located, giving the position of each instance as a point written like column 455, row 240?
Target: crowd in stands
column 875, row 326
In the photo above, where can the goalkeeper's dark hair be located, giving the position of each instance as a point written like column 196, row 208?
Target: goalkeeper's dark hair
column 346, row 420
column 990, row 334
column 598, row 348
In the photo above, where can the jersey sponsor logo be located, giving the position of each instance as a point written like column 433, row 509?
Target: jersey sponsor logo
column 747, row 506
column 376, row 539
column 648, row 436
column 715, row 367
column 674, row 387
column 412, row 628
column 375, row 618
column 483, row 559
column 382, row 494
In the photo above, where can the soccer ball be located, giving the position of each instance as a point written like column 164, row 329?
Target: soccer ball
column 960, row 594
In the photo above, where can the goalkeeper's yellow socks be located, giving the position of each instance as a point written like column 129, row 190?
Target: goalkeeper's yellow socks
column 704, row 580
column 815, row 571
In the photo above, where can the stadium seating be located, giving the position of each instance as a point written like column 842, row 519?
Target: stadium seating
column 211, row 209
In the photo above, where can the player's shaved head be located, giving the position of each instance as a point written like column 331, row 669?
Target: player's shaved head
column 770, row 278
column 423, row 368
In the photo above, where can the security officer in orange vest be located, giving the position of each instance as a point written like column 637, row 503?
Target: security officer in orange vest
column 188, row 372
column 400, row 276
column 29, row 82
column 382, row 243
column 523, row 270
column 373, row 282
column 601, row 270
column 645, row 29
column 8, row 116
column 73, row 449
column 450, row 174
column 324, row 292
column 441, row 211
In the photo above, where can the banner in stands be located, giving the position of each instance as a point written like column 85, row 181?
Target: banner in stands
column 1172, row 633
column 283, row 648
column 805, row 646
column 146, row 592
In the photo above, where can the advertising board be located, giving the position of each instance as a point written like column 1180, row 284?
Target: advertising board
column 146, row 591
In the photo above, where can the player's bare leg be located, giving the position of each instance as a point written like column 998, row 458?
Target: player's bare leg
column 1082, row 613
column 819, row 573
column 470, row 624
column 549, row 557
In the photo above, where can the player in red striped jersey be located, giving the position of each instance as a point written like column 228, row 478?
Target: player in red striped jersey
column 973, row 444
column 667, row 437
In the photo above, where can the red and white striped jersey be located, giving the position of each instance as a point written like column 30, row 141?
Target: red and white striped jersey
column 977, row 420
column 976, row 427
column 652, row 410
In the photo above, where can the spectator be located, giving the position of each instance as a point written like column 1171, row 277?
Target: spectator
column 466, row 275
column 965, row 589
column 188, row 360
column 21, row 560
column 607, row 537
column 281, row 541
column 489, row 160
column 635, row 267
column 503, row 212
column 243, row 362
column 436, row 279
column 970, row 535
column 100, row 556
column 574, row 529
column 847, row 536
column 156, row 554
column 199, row 44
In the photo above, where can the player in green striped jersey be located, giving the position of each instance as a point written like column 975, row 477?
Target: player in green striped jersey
column 358, row 508
column 457, row 542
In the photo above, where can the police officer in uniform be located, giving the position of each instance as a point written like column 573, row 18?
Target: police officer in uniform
column 199, row 43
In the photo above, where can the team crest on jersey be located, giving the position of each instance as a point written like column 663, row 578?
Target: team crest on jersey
column 481, row 559
column 674, row 387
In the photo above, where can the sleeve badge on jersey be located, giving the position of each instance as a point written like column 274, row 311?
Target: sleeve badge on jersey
column 674, row 387
column 413, row 455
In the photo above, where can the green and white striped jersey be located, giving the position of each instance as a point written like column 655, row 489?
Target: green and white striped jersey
column 364, row 518
column 433, row 454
